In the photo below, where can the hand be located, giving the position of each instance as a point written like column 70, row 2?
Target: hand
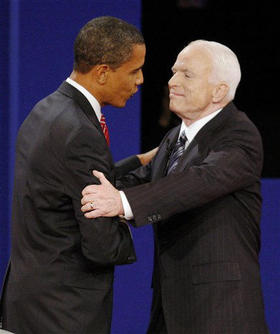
column 146, row 157
column 102, row 200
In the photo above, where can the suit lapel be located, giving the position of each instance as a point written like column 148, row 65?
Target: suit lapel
column 188, row 156
column 68, row 90
column 160, row 164
column 203, row 137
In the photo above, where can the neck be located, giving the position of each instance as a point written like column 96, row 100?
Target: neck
column 85, row 80
column 192, row 117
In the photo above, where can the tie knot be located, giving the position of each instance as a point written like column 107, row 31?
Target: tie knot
column 183, row 138
column 102, row 119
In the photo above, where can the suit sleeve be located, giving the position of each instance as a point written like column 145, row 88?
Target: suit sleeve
column 233, row 163
column 104, row 241
column 126, row 165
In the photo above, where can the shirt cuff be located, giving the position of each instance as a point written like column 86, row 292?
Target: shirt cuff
column 128, row 215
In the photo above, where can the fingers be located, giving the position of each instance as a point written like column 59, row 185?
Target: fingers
column 88, row 207
column 91, row 189
column 100, row 176
column 88, row 198
column 154, row 151
column 93, row 214
column 100, row 200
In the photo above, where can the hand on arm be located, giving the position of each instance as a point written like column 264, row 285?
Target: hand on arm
column 103, row 199
column 146, row 157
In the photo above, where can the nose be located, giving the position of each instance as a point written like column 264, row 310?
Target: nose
column 140, row 78
column 172, row 80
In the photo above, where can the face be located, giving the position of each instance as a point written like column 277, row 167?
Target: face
column 122, row 82
column 189, row 89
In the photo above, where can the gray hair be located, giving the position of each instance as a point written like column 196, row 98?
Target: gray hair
column 226, row 66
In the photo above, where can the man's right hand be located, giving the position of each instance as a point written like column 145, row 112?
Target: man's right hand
column 101, row 200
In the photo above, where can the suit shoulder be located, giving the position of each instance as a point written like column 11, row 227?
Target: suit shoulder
column 238, row 132
column 240, row 119
column 60, row 119
column 63, row 114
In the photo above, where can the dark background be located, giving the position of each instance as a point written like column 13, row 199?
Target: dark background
column 249, row 28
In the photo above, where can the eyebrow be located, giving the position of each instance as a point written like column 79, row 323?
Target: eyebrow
column 138, row 68
column 173, row 68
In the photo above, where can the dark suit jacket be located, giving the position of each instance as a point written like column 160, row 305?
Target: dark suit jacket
column 207, row 227
column 62, row 264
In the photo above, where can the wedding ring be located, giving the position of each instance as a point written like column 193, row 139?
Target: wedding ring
column 91, row 205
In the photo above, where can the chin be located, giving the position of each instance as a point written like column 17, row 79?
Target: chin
column 119, row 104
column 176, row 111
column 122, row 105
column 174, row 108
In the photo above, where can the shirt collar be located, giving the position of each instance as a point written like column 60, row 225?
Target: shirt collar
column 193, row 129
column 91, row 99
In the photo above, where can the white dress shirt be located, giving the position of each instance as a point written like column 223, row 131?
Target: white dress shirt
column 91, row 99
column 190, row 132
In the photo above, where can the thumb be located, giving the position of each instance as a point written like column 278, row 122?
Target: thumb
column 100, row 176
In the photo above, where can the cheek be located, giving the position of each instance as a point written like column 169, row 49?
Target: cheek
column 177, row 104
column 128, row 86
column 198, row 92
column 131, row 82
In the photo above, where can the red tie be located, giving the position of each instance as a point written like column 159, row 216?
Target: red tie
column 104, row 128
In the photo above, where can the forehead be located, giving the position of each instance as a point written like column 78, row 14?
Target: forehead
column 193, row 58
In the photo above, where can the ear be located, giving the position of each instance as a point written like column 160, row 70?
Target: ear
column 101, row 73
column 219, row 92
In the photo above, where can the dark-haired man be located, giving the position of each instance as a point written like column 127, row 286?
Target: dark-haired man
column 61, row 271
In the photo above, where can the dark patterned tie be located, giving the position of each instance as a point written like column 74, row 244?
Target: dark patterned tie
column 177, row 152
column 104, row 128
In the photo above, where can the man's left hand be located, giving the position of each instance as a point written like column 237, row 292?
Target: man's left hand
column 146, row 157
column 101, row 200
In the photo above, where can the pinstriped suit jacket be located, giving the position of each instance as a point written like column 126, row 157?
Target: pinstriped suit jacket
column 206, row 220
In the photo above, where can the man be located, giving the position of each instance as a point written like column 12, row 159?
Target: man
column 62, row 264
column 202, row 194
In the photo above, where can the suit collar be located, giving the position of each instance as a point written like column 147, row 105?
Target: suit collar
column 204, row 136
column 192, row 151
column 192, row 129
column 160, row 164
column 215, row 123
column 91, row 98
column 66, row 89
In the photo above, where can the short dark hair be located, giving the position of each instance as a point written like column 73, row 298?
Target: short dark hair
column 105, row 40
